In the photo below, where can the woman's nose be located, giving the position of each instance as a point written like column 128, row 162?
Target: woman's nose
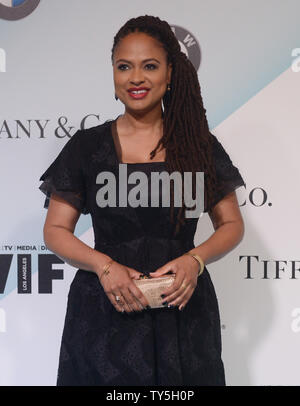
column 137, row 76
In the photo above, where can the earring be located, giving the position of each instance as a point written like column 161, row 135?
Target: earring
column 169, row 87
column 116, row 97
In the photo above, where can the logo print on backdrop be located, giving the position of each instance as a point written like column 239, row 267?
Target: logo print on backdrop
column 188, row 44
column 17, row 9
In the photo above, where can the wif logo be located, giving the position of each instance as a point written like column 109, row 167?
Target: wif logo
column 2, row 60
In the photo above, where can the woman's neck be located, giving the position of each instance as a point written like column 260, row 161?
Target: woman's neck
column 150, row 122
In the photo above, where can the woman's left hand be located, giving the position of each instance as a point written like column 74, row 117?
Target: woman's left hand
column 186, row 269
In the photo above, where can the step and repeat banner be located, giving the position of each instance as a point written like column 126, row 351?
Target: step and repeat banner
column 56, row 77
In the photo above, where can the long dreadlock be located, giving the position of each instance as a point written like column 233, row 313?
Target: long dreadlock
column 186, row 137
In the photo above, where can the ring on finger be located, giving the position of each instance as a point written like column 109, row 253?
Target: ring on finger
column 119, row 301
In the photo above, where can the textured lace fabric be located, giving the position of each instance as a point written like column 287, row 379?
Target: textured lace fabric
column 163, row 346
column 65, row 178
column 228, row 175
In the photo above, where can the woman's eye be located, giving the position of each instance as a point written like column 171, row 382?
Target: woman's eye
column 122, row 67
column 151, row 66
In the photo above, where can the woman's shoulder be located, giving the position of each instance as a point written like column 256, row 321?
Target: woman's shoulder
column 89, row 139
column 220, row 153
column 94, row 143
column 95, row 132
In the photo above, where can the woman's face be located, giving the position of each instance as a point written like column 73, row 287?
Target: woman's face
column 140, row 62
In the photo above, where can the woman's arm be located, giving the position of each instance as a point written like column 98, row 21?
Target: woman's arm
column 59, row 238
column 58, row 232
column 229, row 230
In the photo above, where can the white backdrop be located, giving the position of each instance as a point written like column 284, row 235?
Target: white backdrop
column 55, row 70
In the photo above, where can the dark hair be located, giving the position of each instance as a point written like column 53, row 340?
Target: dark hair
column 186, row 135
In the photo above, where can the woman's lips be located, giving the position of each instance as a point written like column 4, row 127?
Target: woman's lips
column 140, row 94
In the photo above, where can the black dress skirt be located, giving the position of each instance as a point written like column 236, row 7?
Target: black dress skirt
column 101, row 346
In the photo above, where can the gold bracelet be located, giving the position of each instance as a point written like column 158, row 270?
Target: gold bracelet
column 106, row 266
column 200, row 261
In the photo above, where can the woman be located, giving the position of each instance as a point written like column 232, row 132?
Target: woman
column 110, row 336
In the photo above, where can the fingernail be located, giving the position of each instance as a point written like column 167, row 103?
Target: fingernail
column 162, row 296
column 148, row 307
column 164, row 303
column 170, row 305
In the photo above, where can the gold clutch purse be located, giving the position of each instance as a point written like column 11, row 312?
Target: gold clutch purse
column 152, row 288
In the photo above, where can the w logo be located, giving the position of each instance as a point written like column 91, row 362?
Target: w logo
column 12, row 3
column 188, row 44
column 16, row 9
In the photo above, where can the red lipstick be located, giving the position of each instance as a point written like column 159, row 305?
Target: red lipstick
column 138, row 92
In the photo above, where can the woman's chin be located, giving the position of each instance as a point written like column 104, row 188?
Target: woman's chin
column 141, row 109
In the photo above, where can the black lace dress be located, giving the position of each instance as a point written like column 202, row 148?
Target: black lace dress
column 101, row 346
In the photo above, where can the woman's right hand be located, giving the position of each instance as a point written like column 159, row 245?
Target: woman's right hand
column 119, row 283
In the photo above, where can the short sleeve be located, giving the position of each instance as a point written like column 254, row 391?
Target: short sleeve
column 228, row 175
column 65, row 176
